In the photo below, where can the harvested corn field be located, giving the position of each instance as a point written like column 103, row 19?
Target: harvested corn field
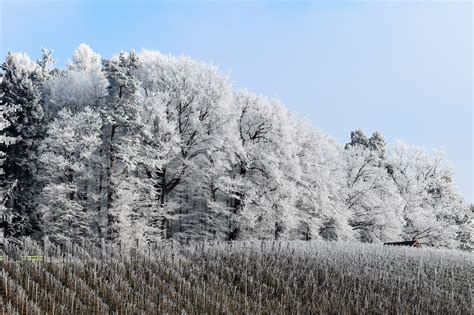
column 237, row 278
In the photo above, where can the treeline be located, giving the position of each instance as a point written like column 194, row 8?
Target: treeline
column 145, row 147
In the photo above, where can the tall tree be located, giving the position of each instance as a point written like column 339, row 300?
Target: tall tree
column 119, row 111
column 23, row 117
column 199, row 105
column 268, row 174
column 6, row 188
column 371, row 194
column 320, row 197
column 151, row 142
column 65, row 153
column 431, row 208
column 83, row 84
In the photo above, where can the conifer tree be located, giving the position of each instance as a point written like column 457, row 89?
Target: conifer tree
column 23, row 121
column 119, row 111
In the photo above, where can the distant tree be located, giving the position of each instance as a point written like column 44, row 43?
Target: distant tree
column 46, row 66
column 376, row 142
column 358, row 137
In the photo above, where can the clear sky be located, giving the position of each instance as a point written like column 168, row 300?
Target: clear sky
column 402, row 68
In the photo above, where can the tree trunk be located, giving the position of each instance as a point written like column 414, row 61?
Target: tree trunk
column 164, row 225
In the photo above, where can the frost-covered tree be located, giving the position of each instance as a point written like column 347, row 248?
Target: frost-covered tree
column 6, row 188
column 375, row 143
column 465, row 233
column 266, row 170
column 119, row 112
column 431, row 208
column 82, row 84
column 46, row 69
column 371, row 195
column 23, row 127
column 199, row 105
column 150, row 145
column 65, row 203
column 323, row 213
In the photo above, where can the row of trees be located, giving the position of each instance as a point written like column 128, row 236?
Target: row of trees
column 145, row 147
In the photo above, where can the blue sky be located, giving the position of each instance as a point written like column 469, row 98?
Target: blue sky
column 402, row 68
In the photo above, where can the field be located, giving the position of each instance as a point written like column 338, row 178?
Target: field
column 237, row 278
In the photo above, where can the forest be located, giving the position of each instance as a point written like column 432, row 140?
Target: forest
column 147, row 147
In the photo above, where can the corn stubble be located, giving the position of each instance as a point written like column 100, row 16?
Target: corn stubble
column 237, row 278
